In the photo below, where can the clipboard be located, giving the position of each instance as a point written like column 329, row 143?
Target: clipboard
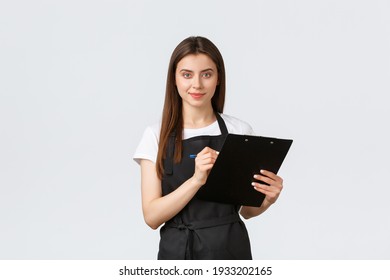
column 242, row 156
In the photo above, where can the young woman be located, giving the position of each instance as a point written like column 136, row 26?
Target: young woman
column 193, row 123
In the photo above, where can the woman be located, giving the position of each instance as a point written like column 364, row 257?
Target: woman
column 193, row 124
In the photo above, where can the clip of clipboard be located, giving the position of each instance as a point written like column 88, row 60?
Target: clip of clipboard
column 242, row 156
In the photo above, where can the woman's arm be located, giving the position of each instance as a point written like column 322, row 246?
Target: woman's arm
column 158, row 209
column 271, row 192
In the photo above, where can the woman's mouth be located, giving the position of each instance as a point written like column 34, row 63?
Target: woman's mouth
column 196, row 95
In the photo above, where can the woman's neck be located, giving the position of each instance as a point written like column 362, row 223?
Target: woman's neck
column 198, row 117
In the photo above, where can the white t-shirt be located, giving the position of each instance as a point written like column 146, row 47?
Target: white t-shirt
column 148, row 146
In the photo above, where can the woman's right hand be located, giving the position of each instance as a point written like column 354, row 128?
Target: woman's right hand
column 204, row 161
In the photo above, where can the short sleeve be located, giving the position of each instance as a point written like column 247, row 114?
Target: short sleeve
column 237, row 126
column 246, row 129
column 148, row 146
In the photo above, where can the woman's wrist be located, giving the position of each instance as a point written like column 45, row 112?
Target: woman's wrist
column 195, row 182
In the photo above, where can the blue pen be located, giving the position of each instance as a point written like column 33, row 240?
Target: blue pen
column 192, row 156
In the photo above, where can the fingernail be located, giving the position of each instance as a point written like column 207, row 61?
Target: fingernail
column 262, row 171
column 254, row 184
column 255, row 176
column 217, row 153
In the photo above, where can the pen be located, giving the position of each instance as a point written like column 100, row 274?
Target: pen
column 192, row 156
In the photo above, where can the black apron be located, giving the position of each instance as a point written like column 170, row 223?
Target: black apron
column 202, row 229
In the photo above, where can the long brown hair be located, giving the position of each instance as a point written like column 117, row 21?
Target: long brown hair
column 172, row 116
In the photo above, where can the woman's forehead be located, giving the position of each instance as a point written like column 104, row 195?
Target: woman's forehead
column 196, row 62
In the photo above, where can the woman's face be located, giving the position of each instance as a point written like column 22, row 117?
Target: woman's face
column 196, row 80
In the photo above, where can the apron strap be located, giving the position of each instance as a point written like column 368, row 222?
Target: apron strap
column 222, row 125
column 191, row 228
column 215, row 222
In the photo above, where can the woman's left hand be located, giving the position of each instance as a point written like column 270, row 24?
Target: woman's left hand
column 272, row 191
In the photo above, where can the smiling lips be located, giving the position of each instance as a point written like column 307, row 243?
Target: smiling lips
column 197, row 95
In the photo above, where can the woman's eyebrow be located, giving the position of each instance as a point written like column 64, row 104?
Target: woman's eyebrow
column 186, row 70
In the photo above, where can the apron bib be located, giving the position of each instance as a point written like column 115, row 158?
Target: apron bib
column 202, row 229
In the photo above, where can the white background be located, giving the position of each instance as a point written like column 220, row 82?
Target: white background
column 80, row 80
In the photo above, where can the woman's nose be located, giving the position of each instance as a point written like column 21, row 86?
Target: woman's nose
column 196, row 82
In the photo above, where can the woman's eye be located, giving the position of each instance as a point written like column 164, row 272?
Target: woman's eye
column 186, row 75
column 207, row 75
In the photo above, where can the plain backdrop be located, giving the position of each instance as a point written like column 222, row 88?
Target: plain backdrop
column 80, row 81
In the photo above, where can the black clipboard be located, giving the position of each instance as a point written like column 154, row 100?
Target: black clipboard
column 242, row 156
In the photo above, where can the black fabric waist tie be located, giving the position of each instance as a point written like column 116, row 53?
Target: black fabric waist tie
column 193, row 226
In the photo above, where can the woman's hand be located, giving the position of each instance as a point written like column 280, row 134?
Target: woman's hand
column 204, row 161
column 272, row 191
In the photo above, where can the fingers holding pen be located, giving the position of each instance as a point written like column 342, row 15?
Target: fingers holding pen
column 204, row 161
column 206, row 158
